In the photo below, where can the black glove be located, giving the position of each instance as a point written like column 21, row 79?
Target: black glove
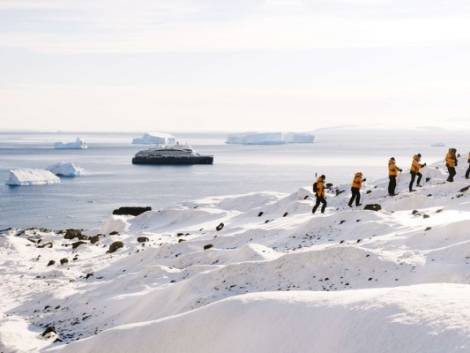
column 364, row 179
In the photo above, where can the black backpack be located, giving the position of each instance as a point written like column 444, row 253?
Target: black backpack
column 315, row 188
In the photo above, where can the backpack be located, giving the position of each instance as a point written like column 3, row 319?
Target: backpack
column 315, row 188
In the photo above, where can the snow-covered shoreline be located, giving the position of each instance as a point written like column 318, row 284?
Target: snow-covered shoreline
column 250, row 273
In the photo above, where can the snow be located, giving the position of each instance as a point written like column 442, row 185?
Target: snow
column 65, row 169
column 155, row 139
column 19, row 177
column 269, row 138
column 78, row 144
column 252, row 273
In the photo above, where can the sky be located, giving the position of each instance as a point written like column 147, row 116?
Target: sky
column 187, row 65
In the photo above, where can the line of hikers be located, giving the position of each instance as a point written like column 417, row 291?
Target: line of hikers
column 451, row 160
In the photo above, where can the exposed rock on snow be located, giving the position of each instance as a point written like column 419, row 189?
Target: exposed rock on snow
column 155, row 139
column 65, row 169
column 348, row 281
column 19, row 177
column 269, row 138
column 131, row 211
column 78, row 144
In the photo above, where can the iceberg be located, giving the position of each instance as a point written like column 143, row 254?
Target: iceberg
column 155, row 139
column 65, row 169
column 78, row 144
column 21, row 177
column 269, row 138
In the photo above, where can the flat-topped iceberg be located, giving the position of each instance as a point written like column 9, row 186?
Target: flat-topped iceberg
column 65, row 169
column 78, row 144
column 269, row 138
column 21, row 177
column 155, row 139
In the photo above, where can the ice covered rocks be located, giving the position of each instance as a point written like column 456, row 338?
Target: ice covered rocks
column 22, row 177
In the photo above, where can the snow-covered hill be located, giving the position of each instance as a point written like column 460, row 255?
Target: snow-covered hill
column 250, row 273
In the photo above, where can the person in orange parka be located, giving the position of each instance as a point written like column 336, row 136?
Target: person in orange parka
column 393, row 170
column 356, row 189
column 415, row 170
column 451, row 163
column 319, row 190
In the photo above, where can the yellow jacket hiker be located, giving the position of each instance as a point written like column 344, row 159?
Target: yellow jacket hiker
column 393, row 170
column 451, row 163
column 356, row 189
column 415, row 171
column 319, row 190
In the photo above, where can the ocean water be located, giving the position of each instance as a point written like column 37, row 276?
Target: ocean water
column 112, row 180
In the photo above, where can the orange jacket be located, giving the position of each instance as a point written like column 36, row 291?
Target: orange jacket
column 468, row 157
column 357, row 181
column 393, row 169
column 320, row 187
column 451, row 160
column 415, row 165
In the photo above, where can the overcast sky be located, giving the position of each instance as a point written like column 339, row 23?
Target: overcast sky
column 233, row 64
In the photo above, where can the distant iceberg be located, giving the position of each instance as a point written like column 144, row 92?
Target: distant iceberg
column 155, row 139
column 65, row 169
column 19, row 177
column 269, row 138
column 78, row 144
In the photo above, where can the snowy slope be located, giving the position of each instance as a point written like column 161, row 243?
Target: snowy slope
column 251, row 273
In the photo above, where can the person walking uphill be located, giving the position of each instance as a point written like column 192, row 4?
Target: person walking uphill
column 319, row 190
column 451, row 163
column 467, row 174
column 356, row 189
column 415, row 171
column 393, row 170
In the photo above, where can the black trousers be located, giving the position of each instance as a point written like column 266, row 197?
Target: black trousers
column 413, row 178
column 467, row 174
column 452, row 173
column 320, row 200
column 392, row 184
column 355, row 195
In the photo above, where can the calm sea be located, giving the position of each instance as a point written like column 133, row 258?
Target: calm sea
column 112, row 180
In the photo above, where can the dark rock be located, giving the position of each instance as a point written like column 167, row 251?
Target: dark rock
column 48, row 331
column 373, row 207
column 426, row 216
column 77, row 244
column 428, row 229
column 88, row 275
column 50, row 263
column 45, row 245
column 73, row 233
column 428, row 179
column 142, row 239
column 329, row 185
column 305, row 198
column 131, row 211
column 220, row 227
column 181, row 240
column 208, row 246
column 339, row 192
column 465, row 189
column 342, row 221
column 261, row 213
column 115, row 246
column 414, row 212
column 179, row 234
column 114, row 232
column 64, row 261
column 94, row 239
column 285, row 214
column 368, row 191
